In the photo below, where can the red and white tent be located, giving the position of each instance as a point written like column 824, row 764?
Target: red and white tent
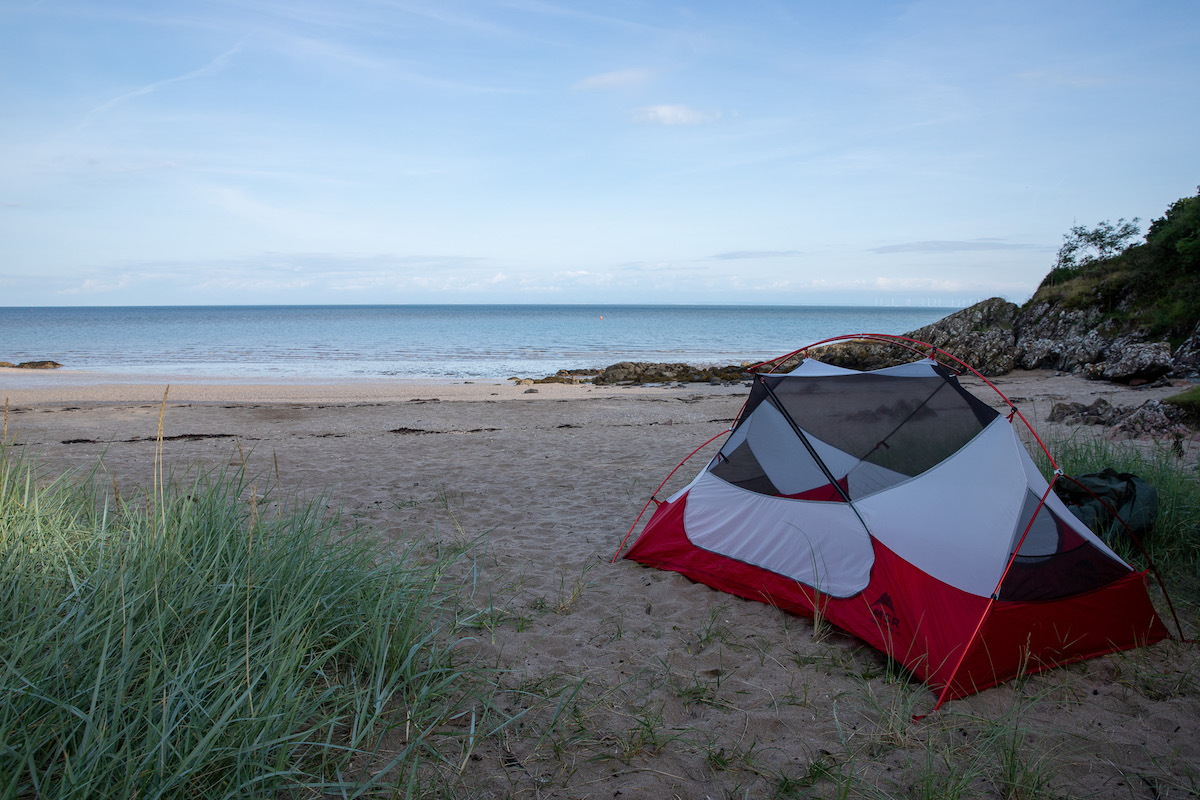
column 907, row 512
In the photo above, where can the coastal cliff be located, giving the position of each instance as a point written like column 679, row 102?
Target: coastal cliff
column 1108, row 309
column 1129, row 314
column 996, row 336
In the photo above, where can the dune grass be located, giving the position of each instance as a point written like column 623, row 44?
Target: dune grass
column 1174, row 542
column 199, row 640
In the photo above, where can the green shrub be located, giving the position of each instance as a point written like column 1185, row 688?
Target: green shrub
column 1188, row 400
column 1152, row 287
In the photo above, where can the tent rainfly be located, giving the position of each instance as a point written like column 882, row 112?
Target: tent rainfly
column 906, row 511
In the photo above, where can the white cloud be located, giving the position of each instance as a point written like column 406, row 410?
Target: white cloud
column 213, row 67
column 673, row 115
column 740, row 255
column 95, row 285
column 942, row 246
column 661, row 266
column 613, row 80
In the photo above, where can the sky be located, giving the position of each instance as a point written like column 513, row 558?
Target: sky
column 542, row 151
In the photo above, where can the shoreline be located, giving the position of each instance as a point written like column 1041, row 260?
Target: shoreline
column 47, row 387
column 318, row 392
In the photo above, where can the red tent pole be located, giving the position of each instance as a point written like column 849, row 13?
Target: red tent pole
column 991, row 601
column 1137, row 540
column 909, row 343
column 659, row 489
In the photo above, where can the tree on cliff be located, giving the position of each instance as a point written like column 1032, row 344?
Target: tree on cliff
column 1083, row 246
column 1154, row 287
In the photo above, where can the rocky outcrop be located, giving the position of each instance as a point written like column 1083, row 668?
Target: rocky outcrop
column 1132, row 362
column 854, row 354
column 570, row 376
column 1100, row 412
column 32, row 364
column 993, row 336
column 996, row 336
column 1048, row 337
column 983, row 335
column 642, row 372
column 1152, row 418
column 1187, row 356
column 636, row 372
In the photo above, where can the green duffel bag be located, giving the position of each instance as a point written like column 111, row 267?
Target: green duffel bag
column 1134, row 500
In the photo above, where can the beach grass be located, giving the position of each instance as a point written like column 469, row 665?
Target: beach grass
column 204, row 639
column 212, row 637
column 1173, row 544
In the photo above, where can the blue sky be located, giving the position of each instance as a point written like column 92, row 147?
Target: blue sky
column 530, row 151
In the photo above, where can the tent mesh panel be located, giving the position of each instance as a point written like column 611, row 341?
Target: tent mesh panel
column 1054, row 561
column 902, row 424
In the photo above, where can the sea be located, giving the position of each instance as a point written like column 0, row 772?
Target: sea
column 439, row 343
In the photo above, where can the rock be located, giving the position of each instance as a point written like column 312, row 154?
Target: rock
column 1048, row 337
column 1153, row 418
column 637, row 372
column 643, row 372
column 1100, row 412
column 39, row 365
column 1186, row 357
column 7, row 364
column 1128, row 362
column 982, row 335
column 855, row 354
column 995, row 336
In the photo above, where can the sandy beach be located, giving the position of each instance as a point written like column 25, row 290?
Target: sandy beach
column 640, row 682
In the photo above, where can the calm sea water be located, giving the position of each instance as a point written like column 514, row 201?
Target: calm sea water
column 337, row 343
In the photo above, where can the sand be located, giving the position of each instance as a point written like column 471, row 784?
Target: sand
column 639, row 682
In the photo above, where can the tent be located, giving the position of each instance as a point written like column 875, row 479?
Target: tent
column 906, row 511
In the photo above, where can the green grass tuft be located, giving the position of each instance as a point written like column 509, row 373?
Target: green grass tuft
column 199, row 641
column 1189, row 401
column 1174, row 542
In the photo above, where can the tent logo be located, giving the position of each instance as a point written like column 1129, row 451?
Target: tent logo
column 883, row 610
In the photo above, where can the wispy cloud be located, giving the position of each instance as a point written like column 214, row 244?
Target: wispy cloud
column 354, row 58
column 917, row 284
column 211, row 68
column 660, row 266
column 618, row 79
column 101, row 285
column 291, row 271
column 567, row 11
column 944, row 246
column 739, row 255
column 673, row 115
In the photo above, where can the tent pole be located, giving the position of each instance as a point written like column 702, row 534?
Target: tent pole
column 1138, row 541
column 653, row 497
column 991, row 600
column 775, row 401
